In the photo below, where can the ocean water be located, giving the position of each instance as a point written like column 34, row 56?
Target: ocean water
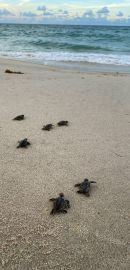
column 109, row 45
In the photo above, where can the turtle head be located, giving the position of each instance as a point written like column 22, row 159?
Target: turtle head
column 61, row 194
column 86, row 180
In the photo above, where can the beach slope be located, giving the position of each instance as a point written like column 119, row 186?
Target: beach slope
column 94, row 232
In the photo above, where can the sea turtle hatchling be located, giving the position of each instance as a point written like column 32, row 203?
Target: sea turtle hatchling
column 63, row 123
column 23, row 143
column 13, row 72
column 60, row 204
column 84, row 187
column 19, row 117
column 48, row 127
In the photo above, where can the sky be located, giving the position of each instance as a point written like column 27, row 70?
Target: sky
column 86, row 12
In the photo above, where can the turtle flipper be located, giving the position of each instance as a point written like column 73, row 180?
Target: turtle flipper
column 52, row 199
column 67, row 204
column 63, row 211
column 77, row 185
column 87, row 194
column 80, row 191
column 52, row 212
column 28, row 143
column 93, row 182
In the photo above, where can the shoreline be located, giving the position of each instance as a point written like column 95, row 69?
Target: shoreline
column 76, row 66
column 95, row 145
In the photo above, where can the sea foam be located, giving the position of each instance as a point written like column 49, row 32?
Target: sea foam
column 113, row 59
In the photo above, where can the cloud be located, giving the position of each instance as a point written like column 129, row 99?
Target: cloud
column 28, row 14
column 48, row 13
column 88, row 14
column 65, row 12
column 5, row 12
column 120, row 14
column 33, row 11
column 45, row 11
column 103, row 11
column 42, row 8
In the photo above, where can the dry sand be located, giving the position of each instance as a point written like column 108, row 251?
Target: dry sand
column 94, row 233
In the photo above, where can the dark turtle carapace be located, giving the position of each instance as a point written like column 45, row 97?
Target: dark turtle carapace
column 19, row 117
column 48, row 127
column 23, row 143
column 63, row 123
column 60, row 204
column 84, row 187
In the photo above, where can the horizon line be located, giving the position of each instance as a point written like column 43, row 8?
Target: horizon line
column 65, row 24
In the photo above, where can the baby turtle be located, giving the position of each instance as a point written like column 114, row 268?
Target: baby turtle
column 48, row 127
column 84, row 187
column 23, row 143
column 14, row 72
column 19, row 117
column 63, row 123
column 60, row 204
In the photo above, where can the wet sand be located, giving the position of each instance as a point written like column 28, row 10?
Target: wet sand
column 94, row 232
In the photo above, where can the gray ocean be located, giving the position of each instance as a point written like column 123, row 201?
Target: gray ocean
column 60, row 43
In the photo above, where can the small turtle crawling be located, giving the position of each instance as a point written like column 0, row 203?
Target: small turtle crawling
column 84, row 187
column 19, row 117
column 11, row 72
column 48, row 127
column 23, row 143
column 60, row 204
column 63, row 123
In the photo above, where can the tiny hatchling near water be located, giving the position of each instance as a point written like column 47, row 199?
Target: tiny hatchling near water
column 84, row 187
column 48, row 127
column 62, row 123
column 23, row 143
column 60, row 204
column 19, row 117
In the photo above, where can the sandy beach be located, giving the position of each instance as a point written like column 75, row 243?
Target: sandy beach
column 94, row 232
